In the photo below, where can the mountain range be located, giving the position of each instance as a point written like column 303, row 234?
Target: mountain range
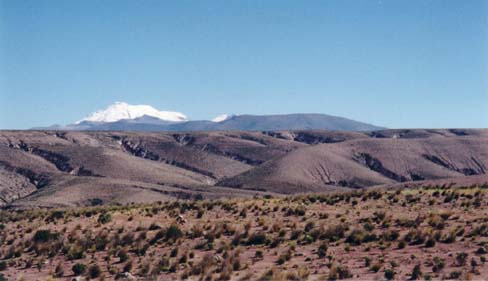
column 124, row 117
column 136, row 153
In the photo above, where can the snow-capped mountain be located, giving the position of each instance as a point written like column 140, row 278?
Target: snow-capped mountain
column 125, row 117
column 122, row 111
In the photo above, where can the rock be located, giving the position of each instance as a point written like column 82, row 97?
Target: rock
column 180, row 219
column 126, row 276
column 217, row 259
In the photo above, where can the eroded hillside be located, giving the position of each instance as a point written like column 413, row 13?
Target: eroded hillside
column 56, row 168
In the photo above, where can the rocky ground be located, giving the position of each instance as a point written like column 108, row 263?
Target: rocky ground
column 420, row 233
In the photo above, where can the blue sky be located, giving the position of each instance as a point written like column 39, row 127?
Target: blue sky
column 400, row 64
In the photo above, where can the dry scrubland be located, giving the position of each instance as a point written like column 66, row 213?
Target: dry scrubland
column 429, row 233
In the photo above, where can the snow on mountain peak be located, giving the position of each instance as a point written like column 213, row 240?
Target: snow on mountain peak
column 221, row 118
column 121, row 110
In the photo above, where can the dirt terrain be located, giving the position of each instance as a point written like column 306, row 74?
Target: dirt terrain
column 418, row 233
column 59, row 168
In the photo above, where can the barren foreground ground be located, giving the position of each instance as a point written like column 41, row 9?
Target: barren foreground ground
column 430, row 233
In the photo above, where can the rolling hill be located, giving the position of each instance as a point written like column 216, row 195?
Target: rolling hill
column 55, row 168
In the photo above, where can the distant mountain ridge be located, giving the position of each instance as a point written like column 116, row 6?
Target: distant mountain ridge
column 298, row 121
column 124, row 117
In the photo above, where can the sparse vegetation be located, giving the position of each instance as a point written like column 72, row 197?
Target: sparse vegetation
column 78, row 269
column 203, row 239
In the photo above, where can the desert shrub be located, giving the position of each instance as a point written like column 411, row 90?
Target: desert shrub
column 416, row 272
column 367, row 261
column 449, row 238
column 78, row 269
column 474, row 263
column 173, row 232
column 461, row 259
column 128, row 266
column 257, row 239
column 368, row 226
column 236, row 240
column 183, row 259
column 481, row 251
column 445, row 215
column 307, row 239
column 295, row 234
column 403, row 222
column 375, row 267
column 59, row 271
column 481, row 230
column 94, row 271
column 122, row 255
column 75, row 253
column 339, row 273
column 298, row 211
column 455, row 275
column 379, row 216
column 3, row 265
column 105, row 218
column 357, row 236
column 55, row 215
column 414, row 237
column 389, row 274
column 200, row 213
column 101, row 242
column 276, row 242
column 334, row 232
column 438, row 264
column 196, row 231
column 430, row 243
column 284, row 257
column 268, row 275
column 309, row 226
column 391, row 235
column 158, row 236
column 322, row 251
column 258, row 254
column 146, row 267
column 154, row 226
column 204, row 265
column 141, row 249
column 204, row 245
column 44, row 235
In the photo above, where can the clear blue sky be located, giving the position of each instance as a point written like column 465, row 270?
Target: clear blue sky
column 391, row 63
